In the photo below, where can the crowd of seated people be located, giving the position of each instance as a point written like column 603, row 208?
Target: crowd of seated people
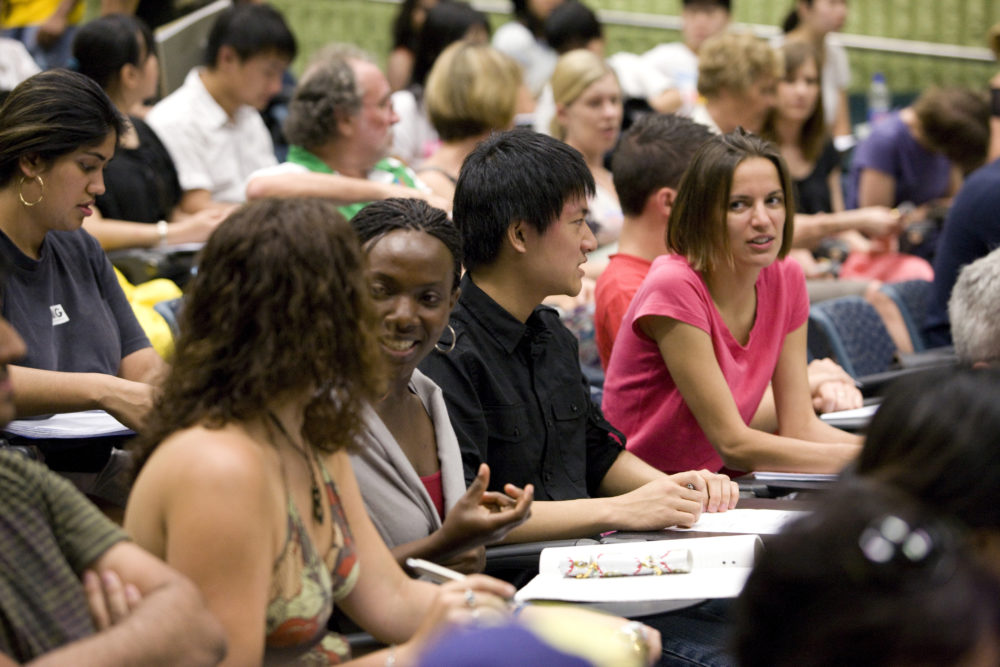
column 366, row 371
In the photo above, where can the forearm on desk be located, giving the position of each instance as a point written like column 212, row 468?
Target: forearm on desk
column 43, row 392
column 564, row 520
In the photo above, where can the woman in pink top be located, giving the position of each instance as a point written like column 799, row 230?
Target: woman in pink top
column 716, row 321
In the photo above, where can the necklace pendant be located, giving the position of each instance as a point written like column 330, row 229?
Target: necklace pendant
column 317, row 502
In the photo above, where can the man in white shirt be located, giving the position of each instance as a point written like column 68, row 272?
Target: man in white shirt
column 211, row 125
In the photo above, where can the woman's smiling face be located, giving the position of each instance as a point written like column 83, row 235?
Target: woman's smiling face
column 411, row 281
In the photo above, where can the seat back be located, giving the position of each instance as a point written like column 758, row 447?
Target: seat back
column 169, row 310
column 850, row 330
column 911, row 297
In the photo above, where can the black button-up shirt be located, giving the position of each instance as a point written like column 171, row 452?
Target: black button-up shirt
column 519, row 402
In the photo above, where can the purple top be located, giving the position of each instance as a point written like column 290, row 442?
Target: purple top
column 920, row 174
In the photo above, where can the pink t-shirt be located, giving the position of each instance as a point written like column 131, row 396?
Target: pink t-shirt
column 615, row 288
column 640, row 397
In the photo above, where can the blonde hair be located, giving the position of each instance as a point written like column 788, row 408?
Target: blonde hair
column 574, row 73
column 471, row 89
column 733, row 62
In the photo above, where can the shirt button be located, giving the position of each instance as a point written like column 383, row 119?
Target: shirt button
column 547, row 476
column 573, row 407
column 548, row 422
column 517, row 432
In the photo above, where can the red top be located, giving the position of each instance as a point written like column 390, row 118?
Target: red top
column 436, row 491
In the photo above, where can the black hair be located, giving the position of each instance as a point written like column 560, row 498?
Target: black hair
column 937, row 437
column 524, row 16
column 872, row 578
column 511, row 176
column 791, row 21
column 572, row 25
column 653, row 154
column 103, row 46
column 388, row 215
column 446, row 22
column 51, row 114
column 250, row 30
column 404, row 34
column 725, row 4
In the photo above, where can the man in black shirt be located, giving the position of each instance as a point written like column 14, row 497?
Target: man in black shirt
column 512, row 381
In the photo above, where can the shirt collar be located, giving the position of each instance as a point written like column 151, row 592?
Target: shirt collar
column 300, row 156
column 506, row 329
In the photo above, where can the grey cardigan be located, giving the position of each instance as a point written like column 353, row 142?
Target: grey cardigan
column 394, row 496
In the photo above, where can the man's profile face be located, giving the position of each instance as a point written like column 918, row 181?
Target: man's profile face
column 373, row 122
column 556, row 255
column 258, row 78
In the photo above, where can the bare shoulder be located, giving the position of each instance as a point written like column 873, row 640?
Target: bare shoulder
column 228, row 455
column 205, row 468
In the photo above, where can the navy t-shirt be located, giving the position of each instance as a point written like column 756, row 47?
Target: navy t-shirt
column 68, row 306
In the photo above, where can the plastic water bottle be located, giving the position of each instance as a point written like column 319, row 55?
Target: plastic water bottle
column 878, row 98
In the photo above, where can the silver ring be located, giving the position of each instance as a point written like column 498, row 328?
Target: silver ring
column 470, row 598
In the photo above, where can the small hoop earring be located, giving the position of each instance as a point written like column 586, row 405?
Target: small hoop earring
column 20, row 193
column 454, row 339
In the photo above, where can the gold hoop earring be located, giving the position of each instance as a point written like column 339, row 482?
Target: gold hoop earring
column 20, row 193
column 454, row 339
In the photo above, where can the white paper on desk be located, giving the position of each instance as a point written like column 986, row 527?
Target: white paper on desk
column 850, row 417
column 720, row 567
column 758, row 522
column 765, row 476
column 69, row 425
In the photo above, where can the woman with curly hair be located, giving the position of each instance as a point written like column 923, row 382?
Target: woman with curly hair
column 245, row 484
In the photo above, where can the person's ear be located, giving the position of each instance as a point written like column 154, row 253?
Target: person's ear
column 517, row 236
column 664, row 200
column 227, row 57
column 561, row 114
column 128, row 75
column 345, row 125
column 31, row 165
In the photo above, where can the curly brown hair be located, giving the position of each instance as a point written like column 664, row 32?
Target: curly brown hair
column 279, row 307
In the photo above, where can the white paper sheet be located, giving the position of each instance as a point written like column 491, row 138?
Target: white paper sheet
column 69, row 425
column 747, row 521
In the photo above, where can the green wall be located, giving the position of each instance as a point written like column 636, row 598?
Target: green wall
column 961, row 22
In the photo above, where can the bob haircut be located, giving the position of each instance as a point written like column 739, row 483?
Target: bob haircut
column 385, row 216
column 733, row 62
column 814, row 135
column 511, row 176
column 871, row 578
column 279, row 307
column 574, row 73
column 936, row 436
column 955, row 122
column 447, row 22
column 250, row 30
column 108, row 43
column 51, row 114
column 697, row 225
column 653, row 154
column 472, row 89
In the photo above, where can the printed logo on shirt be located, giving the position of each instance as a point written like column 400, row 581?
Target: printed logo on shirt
column 59, row 315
